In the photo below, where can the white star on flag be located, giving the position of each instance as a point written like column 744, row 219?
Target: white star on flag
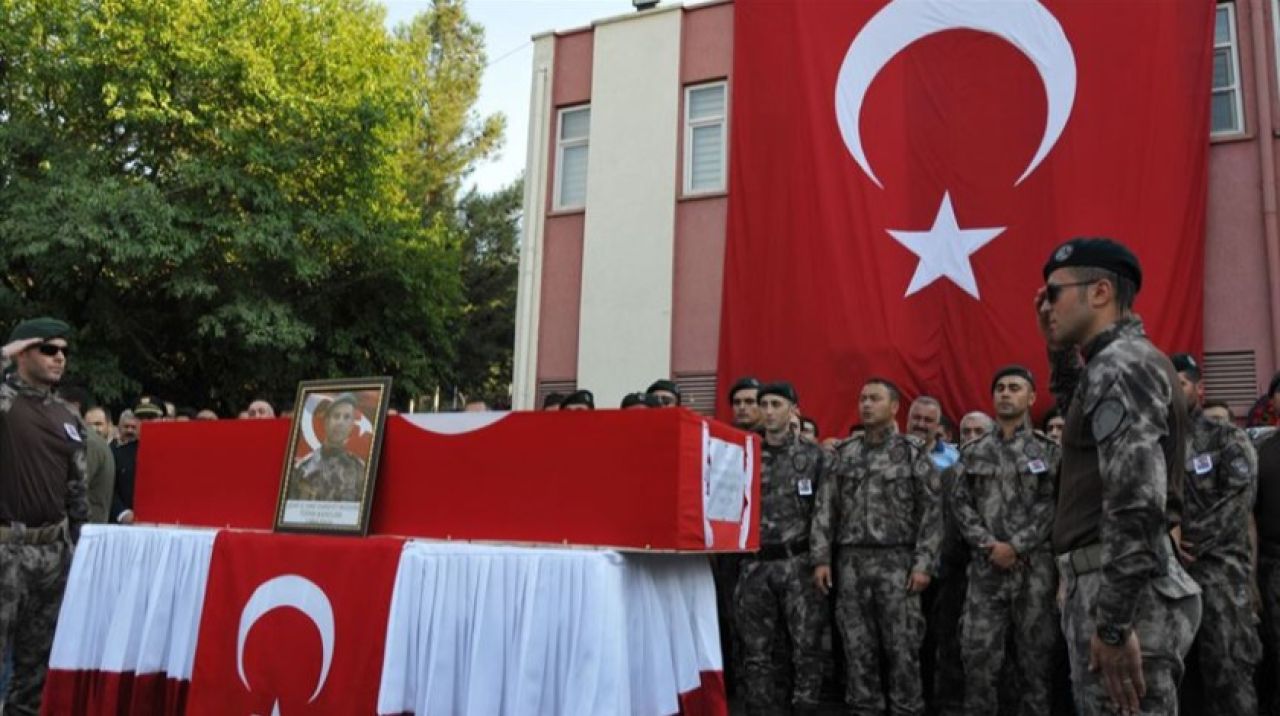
column 944, row 250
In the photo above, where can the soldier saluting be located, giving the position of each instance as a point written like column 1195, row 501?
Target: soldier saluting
column 1130, row 610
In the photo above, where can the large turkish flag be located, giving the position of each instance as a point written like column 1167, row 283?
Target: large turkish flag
column 901, row 171
column 293, row 625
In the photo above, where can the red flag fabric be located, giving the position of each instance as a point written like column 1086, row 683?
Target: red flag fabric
column 293, row 624
column 901, row 171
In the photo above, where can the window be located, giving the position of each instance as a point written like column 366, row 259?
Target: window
column 704, row 138
column 571, row 157
column 1227, row 111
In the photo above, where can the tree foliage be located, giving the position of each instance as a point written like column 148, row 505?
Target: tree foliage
column 490, row 264
column 228, row 196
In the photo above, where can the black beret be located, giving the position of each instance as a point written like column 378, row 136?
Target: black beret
column 633, row 399
column 782, row 389
column 43, row 327
column 1019, row 371
column 1089, row 252
column 1185, row 363
column 667, row 385
column 552, row 399
column 148, row 408
column 579, row 397
column 744, row 383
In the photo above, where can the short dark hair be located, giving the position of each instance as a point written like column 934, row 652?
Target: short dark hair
column 894, row 393
column 78, row 395
column 1275, row 384
column 1216, row 403
column 1126, row 290
column 552, row 400
column 1052, row 413
column 814, row 423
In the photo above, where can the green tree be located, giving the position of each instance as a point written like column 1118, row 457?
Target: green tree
column 490, row 225
column 444, row 53
column 227, row 196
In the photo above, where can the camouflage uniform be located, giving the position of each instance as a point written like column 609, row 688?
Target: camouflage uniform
column 332, row 475
column 1004, row 491
column 35, row 557
column 1120, row 490
column 881, row 511
column 1221, row 480
column 779, row 580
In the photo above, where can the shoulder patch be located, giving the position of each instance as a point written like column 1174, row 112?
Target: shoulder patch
column 898, row 453
column 1107, row 418
column 1242, row 467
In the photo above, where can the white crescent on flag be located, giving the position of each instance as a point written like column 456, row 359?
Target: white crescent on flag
column 1025, row 24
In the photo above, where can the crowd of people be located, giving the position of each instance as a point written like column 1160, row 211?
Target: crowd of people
column 1122, row 558
column 1125, row 555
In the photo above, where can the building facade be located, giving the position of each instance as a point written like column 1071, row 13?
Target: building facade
column 626, row 200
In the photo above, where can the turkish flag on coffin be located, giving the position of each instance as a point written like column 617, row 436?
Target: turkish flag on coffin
column 276, row 639
column 902, row 170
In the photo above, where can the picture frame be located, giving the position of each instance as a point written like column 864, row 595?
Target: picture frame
column 331, row 465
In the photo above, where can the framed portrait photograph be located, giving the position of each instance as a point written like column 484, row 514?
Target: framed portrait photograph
column 331, row 465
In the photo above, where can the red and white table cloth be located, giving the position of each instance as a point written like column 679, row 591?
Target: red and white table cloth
column 168, row 620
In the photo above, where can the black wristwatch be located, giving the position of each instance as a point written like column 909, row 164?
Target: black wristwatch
column 1112, row 635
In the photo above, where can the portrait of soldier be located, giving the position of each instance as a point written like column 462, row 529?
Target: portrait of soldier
column 331, row 473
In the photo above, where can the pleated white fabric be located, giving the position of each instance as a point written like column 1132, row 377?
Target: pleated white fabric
column 133, row 601
column 502, row 631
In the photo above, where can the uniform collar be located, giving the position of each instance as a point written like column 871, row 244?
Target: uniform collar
column 1128, row 327
column 27, row 389
column 878, row 437
column 1018, row 432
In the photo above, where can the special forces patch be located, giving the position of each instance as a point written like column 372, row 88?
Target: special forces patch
column 898, row 453
column 800, row 462
column 1107, row 418
column 1241, row 466
column 1033, row 450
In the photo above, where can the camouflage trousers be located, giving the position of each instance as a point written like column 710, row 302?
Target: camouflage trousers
column 877, row 615
column 1021, row 598
column 1226, row 648
column 766, row 590
column 1166, row 620
column 32, row 578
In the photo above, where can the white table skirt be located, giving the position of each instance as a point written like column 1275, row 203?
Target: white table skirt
column 473, row 629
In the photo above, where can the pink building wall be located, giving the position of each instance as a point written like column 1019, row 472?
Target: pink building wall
column 1237, row 282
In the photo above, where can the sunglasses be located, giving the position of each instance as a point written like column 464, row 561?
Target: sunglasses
column 1053, row 290
column 48, row 349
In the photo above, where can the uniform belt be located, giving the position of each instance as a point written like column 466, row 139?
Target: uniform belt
column 903, row 545
column 1089, row 558
column 1086, row 559
column 783, row 551
column 19, row 533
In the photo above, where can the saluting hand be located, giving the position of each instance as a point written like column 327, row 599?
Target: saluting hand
column 14, row 348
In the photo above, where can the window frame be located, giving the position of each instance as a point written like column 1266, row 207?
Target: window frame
column 1236, row 88
column 557, row 203
column 690, row 124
